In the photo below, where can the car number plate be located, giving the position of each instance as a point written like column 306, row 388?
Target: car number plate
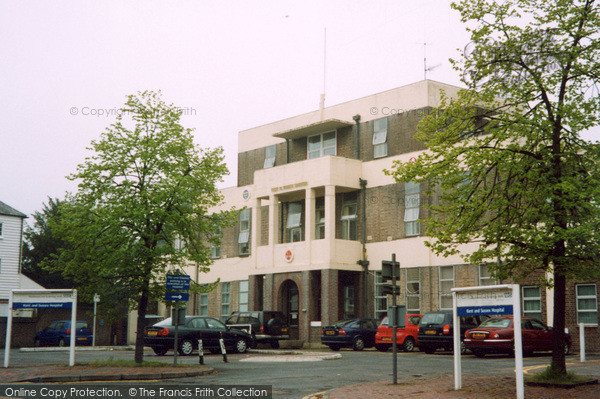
column 152, row 332
column 478, row 335
column 430, row 332
column 386, row 339
column 330, row 332
column 81, row 338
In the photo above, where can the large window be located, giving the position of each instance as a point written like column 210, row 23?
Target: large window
column 203, row 305
column 319, row 218
column 413, row 290
column 349, row 219
column 215, row 249
column 380, row 147
column 446, row 285
column 412, row 202
column 244, row 236
column 225, row 299
column 587, row 304
column 485, row 278
column 380, row 298
column 294, row 222
column 320, row 145
column 270, row 153
column 532, row 302
column 243, row 305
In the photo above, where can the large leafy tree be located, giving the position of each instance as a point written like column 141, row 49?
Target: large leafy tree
column 142, row 207
column 506, row 156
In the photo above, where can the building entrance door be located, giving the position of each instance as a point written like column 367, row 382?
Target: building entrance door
column 290, row 306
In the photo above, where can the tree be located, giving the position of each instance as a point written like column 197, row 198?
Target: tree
column 142, row 207
column 41, row 244
column 506, row 155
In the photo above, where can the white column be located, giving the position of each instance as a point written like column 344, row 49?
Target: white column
column 330, row 220
column 273, row 221
column 255, row 227
column 309, row 221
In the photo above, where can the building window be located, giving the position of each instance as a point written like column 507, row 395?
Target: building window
column 0, row 230
column 446, row 285
column 215, row 249
column 243, row 296
column 587, row 304
column 380, row 147
column 294, row 222
column 413, row 290
column 532, row 302
column 380, row 299
column 348, row 302
column 485, row 278
column 320, row 145
column 225, row 299
column 349, row 218
column 320, row 218
column 244, row 236
column 270, row 153
column 412, row 202
column 203, row 305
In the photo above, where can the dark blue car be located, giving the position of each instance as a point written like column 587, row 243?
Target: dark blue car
column 354, row 333
column 58, row 333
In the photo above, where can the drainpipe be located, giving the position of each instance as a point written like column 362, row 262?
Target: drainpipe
column 357, row 134
column 364, row 262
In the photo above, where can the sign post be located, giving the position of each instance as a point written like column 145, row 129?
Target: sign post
column 96, row 300
column 390, row 270
column 488, row 300
column 42, row 299
column 177, row 283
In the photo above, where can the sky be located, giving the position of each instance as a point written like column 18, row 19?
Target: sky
column 67, row 66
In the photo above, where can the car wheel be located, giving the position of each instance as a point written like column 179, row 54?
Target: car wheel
column 62, row 343
column 37, row 343
column 382, row 347
column 334, row 347
column 241, row 346
column 409, row 344
column 567, row 348
column 478, row 352
column 186, row 347
column 428, row 349
column 160, row 350
column 359, row 344
column 275, row 344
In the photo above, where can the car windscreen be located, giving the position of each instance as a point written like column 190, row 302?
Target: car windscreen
column 81, row 324
column 165, row 322
column 342, row 323
column 433, row 318
column 497, row 323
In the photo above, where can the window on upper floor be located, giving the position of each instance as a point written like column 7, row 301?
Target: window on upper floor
column 532, row 302
column 270, row 153
column 294, row 222
column 485, row 278
column 244, row 236
column 225, row 299
column 412, row 202
column 380, row 147
column 319, row 218
column 587, row 304
column 446, row 285
column 349, row 217
column 320, row 145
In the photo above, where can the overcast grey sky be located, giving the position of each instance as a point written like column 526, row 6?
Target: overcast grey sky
column 232, row 65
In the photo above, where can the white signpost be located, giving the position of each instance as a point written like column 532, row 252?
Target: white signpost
column 488, row 300
column 42, row 299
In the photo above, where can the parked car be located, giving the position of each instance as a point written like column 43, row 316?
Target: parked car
column 266, row 326
column 161, row 336
column 354, row 333
column 436, row 330
column 58, row 333
column 497, row 335
column 406, row 337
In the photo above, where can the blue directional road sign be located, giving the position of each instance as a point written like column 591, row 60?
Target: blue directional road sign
column 177, row 296
column 178, row 282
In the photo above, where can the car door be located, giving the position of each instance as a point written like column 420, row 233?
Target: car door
column 541, row 335
column 214, row 330
column 46, row 337
column 193, row 330
column 528, row 334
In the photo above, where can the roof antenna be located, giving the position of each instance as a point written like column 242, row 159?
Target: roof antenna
column 425, row 68
column 322, row 101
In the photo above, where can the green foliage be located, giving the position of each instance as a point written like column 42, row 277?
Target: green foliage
column 142, row 208
column 553, row 376
column 505, row 159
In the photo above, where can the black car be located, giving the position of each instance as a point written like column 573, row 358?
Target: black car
column 266, row 326
column 436, row 330
column 161, row 336
column 354, row 333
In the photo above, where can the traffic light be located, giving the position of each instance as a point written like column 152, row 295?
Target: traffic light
column 390, row 289
column 390, row 269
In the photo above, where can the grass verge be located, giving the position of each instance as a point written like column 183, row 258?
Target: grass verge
column 551, row 376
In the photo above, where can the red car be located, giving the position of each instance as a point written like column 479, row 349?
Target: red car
column 405, row 337
column 496, row 335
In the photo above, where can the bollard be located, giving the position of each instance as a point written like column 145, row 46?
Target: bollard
column 200, row 352
column 223, row 351
column 581, row 343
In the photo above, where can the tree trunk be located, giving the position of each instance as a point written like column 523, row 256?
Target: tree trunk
column 558, row 364
column 139, row 338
